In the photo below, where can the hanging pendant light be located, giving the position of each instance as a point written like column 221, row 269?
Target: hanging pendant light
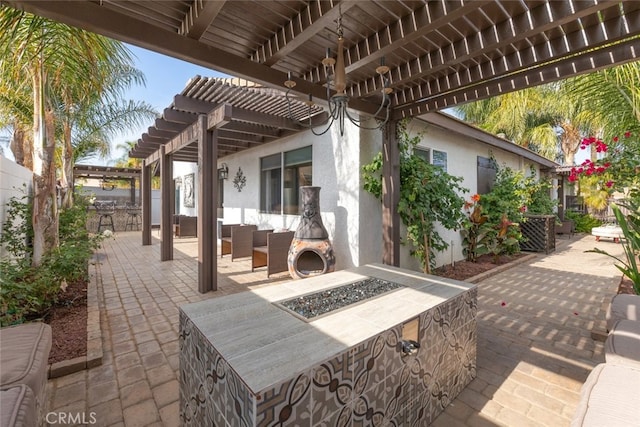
column 339, row 101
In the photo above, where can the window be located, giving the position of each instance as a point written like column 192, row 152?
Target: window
column 435, row 157
column 486, row 174
column 270, row 177
column 439, row 158
column 281, row 176
column 297, row 173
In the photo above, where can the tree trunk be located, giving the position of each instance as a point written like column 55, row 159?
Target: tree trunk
column 66, row 180
column 45, row 206
column 39, row 138
column 17, row 144
column 570, row 141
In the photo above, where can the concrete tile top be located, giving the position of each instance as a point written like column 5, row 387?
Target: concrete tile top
column 263, row 343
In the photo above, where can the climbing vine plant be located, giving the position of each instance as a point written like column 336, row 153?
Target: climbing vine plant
column 428, row 196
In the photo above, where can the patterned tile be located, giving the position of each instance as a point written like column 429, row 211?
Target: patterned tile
column 372, row 384
column 287, row 404
column 332, row 387
column 369, row 409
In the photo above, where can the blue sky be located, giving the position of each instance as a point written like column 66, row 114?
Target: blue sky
column 166, row 77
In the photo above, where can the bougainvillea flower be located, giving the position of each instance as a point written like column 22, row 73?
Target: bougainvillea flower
column 609, row 184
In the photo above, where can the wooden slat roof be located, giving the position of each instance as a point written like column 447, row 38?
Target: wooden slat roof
column 441, row 53
column 258, row 115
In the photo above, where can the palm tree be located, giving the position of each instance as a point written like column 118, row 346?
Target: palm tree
column 614, row 93
column 66, row 71
column 519, row 117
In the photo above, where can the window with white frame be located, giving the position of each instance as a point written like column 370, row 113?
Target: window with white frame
column 281, row 176
column 435, row 157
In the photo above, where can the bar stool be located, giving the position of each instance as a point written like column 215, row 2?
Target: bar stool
column 106, row 209
column 134, row 214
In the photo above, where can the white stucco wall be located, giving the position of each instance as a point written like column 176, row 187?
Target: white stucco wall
column 15, row 181
column 353, row 220
column 180, row 170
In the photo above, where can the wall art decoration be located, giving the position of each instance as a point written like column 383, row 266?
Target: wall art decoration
column 189, row 190
column 240, row 180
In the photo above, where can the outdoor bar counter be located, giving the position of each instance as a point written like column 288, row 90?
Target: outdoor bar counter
column 254, row 359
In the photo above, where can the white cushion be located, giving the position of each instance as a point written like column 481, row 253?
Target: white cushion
column 622, row 346
column 623, row 307
column 609, row 398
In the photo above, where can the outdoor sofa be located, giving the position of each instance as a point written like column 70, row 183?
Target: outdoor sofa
column 611, row 394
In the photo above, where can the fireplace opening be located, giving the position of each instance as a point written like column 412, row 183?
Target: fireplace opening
column 310, row 262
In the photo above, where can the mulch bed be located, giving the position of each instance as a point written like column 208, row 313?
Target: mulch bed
column 626, row 286
column 68, row 321
column 462, row 270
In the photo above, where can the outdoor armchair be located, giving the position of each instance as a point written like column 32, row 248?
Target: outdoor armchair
column 273, row 254
column 236, row 240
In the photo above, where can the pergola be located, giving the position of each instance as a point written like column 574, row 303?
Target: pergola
column 109, row 172
column 440, row 54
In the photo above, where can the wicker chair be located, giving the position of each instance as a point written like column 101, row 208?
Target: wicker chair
column 236, row 240
column 271, row 250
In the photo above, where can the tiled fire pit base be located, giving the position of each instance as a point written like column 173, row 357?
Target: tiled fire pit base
column 246, row 361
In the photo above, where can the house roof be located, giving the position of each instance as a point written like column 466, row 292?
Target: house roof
column 453, row 124
column 440, row 53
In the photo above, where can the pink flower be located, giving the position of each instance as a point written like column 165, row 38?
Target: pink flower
column 627, row 134
column 615, row 139
column 609, row 184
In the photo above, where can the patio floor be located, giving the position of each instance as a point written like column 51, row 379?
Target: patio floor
column 534, row 344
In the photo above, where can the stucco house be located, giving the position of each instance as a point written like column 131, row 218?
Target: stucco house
column 262, row 183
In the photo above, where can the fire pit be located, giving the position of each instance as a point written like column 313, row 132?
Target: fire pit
column 311, row 252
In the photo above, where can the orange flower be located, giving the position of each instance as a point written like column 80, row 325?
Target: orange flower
column 475, row 198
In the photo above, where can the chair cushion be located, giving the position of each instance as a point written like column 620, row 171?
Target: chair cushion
column 623, row 307
column 17, row 406
column 622, row 346
column 24, row 357
column 609, row 397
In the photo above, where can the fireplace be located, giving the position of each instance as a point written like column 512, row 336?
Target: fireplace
column 311, row 252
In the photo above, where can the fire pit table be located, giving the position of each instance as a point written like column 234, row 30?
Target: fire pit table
column 369, row 345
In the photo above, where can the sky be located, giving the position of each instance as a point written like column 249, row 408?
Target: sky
column 165, row 77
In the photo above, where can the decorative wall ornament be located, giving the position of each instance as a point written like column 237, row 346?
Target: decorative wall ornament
column 189, row 197
column 240, row 180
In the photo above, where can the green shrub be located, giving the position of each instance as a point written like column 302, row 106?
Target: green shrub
column 27, row 292
column 583, row 222
column 630, row 225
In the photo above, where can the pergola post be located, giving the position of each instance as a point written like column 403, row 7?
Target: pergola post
column 561, row 198
column 145, row 200
column 167, row 196
column 133, row 190
column 207, row 215
column 390, row 195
